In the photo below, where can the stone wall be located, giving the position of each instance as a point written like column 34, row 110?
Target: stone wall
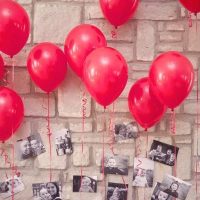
column 158, row 26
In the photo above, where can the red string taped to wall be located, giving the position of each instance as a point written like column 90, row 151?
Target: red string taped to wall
column 112, row 139
column 197, row 137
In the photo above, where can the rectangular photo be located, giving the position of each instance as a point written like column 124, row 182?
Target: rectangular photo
column 126, row 131
column 87, row 184
column 117, row 191
column 143, row 172
column 63, row 142
column 160, row 194
column 11, row 185
column 31, row 146
column 115, row 164
column 163, row 153
column 176, row 187
column 46, row 191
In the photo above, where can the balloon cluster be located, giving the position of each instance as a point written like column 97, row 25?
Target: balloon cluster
column 14, row 33
column 103, row 69
column 170, row 80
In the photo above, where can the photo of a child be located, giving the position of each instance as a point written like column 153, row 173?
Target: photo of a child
column 63, row 142
column 143, row 172
column 11, row 185
column 85, row 184
column 115, row 164
column 117, row 191
column 46, row 191
column 176, row 187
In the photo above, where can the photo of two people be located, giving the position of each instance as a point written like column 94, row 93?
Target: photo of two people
column 163, row 153
column 47, row 191
column 31, row 146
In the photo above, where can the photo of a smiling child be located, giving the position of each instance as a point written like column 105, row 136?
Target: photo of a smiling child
column 85, row 184
column 115, row 164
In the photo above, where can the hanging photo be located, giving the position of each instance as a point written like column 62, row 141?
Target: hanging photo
column 126, row 131
column 163, row 153
column 176, row 187
column 160, row 194
column 11, row 185
column 87, row 184
column 117, row 191
column 63, row 142
column 115, row 164
column 46, row 191
column 143, row 172
column 31, row 146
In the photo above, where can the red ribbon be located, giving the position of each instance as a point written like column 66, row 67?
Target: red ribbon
column 197, row 156
column 84, row 113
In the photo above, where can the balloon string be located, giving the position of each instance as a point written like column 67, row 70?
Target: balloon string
column 197, row 105
column 12, row 138
column 114, row 33
column 49, row 136
column 84, row 103
column 190, row 19
column 8, row 162
column 147, row 141
column 112, row 139
column 173, row 133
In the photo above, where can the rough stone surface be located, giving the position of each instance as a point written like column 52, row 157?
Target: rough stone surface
column 157, row 26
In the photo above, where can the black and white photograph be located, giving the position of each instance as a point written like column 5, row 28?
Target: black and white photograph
column 117, row 191
column 31, row 146
column 85, row 184
column 163, row 153
column 125, row 131
column 11, row 185
column 143, row 172
column 63, row 142
column 115, row 164
column 160, row 194
column 46, row 191
column 176, row 187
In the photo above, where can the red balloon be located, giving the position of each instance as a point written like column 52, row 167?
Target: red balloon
column 117, row 12
column 47, row 66
column 105, row 74
column 143, row 105
column 171, row 78
column 14, row 27
column 1, row 67
column 11, row 113
column 191, row 5
column 80, row 42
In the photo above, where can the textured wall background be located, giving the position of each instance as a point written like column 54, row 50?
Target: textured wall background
column 158, row 26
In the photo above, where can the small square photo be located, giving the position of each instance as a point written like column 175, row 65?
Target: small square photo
column 115, row 164
column 117, row 191
column 126, row 131
column 87, row 184
column 46, row 191
column 63, row 142
column 31, row 146
column 143, row 172
column 11, row 185
column 163, row 153
column 176, row 187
